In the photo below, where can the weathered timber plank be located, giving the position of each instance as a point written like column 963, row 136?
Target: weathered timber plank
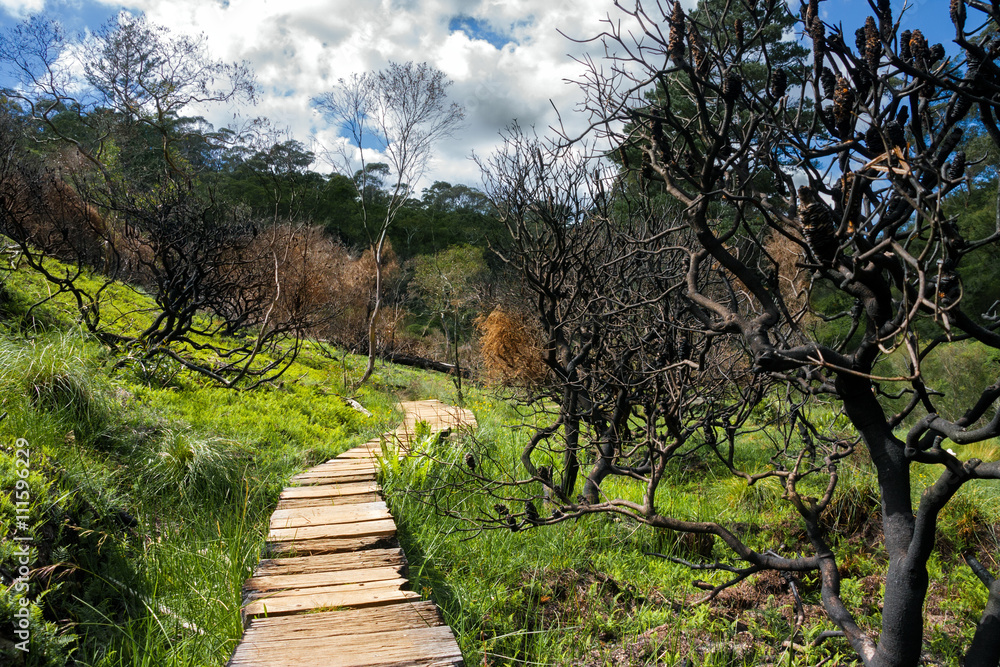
column 342, row 477
column 334, row 479
column 330, row 514
column 356, row 560
column 361, row 498
column 256, row 586
column 394, row 583
column 330, row 546
column 335, row 514
column 371, row 596
column 332, row 472
column 328, row 531
column 326, row 624
column 421, row 646
column 361, row 454
column 328, row 491
column 341, row 465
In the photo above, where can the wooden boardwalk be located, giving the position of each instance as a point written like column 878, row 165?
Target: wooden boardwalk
column 334, row 591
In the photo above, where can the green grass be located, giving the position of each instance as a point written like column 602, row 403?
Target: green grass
column 151, row 492
column 150, row 489
column 588, row 592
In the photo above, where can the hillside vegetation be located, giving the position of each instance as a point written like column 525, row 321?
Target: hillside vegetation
column 150, row 488
column 741, row 339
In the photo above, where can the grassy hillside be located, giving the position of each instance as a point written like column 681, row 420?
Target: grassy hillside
column 598, row 591
column 148, row 490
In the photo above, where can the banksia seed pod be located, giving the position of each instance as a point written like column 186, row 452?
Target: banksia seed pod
column 501, row 510
column 973, row 66
column 861, row 42
column 837, row 189
column 675, row 46
column 957, row 10
column 512, row 524
column 818, row 225
column 530, row 512
column 545, row 472
column 873, row 44
column 843, row 107
column 470, row 461
column 779, row 83
column 684, row 349
column 903, row 116
column 853, row 207
column 936, row 53
column 918, row 48
column 949, row 287
column 818, row 33
column 956, row 169
column 895, row 134
column 738, row 31
column 904, row 45
column 829, row 82
column 697, row 49
column 826, row 115
column 873, row 139
column 732, row 86
column 863, row 82
column 949, row 144
column 885, row 19
column 958, row 108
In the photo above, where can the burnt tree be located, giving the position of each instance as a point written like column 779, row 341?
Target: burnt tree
column 772, row 235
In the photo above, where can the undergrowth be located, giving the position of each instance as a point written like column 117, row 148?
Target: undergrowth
column 150, row 490
column 597, row 591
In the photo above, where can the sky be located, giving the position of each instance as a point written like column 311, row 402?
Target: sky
column 507, row 58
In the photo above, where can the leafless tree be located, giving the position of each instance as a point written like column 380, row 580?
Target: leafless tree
column 395, row 115
column 671, row 303
column 108, row 207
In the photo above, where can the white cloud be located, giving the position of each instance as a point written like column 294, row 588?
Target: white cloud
column 299, row 48
column 21, row 8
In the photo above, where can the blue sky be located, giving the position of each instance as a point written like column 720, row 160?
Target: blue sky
column 507, row 59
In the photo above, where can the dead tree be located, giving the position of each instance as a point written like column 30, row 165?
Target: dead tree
column 667, row 311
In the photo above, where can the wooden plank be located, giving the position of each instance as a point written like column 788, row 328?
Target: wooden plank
column 295, row 503
column 327, row 624
column 419, row 646
column 396, row 583
column 335, row 514
column 331, row 562
column 257, row 586
column 362, row 454
column 360, row 595
column 327, row 491
column 329, row 514
column 331, row 546
column 328, row 531
column 337, row 474
column 339, row 465
column 334, row 479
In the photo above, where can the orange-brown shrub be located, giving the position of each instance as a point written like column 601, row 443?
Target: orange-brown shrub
column 41, row 209
column 510, row 348
column 793, row 280
column 355, row 287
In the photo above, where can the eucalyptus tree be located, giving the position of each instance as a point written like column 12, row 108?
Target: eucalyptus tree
column 394, row 116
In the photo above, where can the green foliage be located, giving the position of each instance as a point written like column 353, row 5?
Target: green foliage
column 591, row 591
column 150, row 500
